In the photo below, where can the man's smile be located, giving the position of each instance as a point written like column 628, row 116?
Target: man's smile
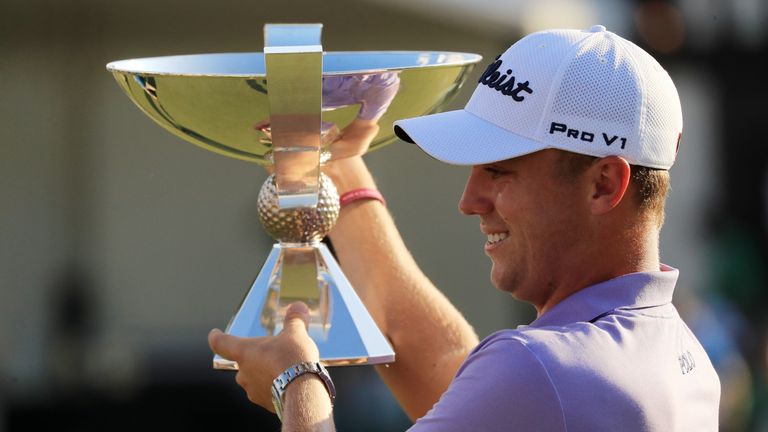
column 494, row 239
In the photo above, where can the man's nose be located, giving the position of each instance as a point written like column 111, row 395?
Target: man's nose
column 476, row 197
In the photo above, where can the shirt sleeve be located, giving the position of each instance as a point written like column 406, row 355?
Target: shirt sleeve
column 502, row 386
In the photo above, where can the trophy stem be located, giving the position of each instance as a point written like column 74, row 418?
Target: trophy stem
column 300, row 276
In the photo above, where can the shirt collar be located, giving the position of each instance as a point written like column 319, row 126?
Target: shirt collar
column 630, row 291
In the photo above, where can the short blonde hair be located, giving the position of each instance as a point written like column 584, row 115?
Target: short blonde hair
column 650, row 184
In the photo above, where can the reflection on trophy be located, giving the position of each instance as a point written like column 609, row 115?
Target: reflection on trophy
column 291, row 109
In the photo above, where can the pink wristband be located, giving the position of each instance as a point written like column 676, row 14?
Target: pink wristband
column 360, row 194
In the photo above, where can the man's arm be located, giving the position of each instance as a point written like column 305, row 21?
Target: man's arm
column 430, row 336
column 307, row 407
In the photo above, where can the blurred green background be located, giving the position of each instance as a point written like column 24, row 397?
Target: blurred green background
column 121, row 246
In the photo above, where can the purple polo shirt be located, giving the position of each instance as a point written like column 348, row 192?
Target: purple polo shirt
column 615, row 356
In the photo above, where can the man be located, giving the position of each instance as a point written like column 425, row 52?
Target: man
column 570, row 135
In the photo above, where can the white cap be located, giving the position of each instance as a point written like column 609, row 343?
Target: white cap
column 590, row 92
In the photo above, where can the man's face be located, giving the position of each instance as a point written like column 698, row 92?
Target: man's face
column 535, row 221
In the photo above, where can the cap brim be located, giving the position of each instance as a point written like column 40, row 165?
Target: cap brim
column 461, row 138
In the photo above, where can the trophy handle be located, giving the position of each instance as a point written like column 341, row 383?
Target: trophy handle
column 293, row 58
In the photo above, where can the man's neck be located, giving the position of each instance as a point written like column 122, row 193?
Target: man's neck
column 630, row 252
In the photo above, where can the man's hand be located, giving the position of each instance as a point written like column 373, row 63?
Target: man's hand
column 354, row 140
column 262, row 359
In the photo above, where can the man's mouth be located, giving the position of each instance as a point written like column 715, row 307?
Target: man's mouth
column 494, row 238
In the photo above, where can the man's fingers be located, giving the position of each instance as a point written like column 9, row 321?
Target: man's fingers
column 225, row 345
column 296, row 318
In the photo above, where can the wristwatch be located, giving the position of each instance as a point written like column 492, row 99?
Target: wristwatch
column 293, row 372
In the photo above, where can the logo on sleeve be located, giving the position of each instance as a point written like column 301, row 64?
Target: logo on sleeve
column 687, row 362
column 496, row 80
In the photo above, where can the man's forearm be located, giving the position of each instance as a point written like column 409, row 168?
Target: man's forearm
column 431, row 338
column 307, row 406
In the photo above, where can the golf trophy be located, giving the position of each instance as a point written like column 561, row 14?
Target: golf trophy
column 291, row 109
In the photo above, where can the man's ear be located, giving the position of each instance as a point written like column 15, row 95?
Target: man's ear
column 610, row 177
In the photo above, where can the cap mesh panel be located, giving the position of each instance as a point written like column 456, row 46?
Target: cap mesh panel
column 603, row 92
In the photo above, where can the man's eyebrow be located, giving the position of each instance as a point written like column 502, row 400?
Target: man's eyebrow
column 506, row 164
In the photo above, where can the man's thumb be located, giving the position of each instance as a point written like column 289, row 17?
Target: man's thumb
column 225, row 345
column 296, row 318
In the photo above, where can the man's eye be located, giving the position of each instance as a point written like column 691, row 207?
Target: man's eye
column 494, row 172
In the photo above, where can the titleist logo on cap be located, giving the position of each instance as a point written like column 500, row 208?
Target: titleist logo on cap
column 495, row 80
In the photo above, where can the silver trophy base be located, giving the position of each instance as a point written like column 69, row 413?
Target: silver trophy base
column 341, row 326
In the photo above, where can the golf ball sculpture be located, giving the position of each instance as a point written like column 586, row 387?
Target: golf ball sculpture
column 301, row 224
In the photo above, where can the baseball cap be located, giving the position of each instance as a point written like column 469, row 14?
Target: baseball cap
column 585, row 91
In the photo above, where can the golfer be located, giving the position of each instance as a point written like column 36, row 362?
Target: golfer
column 569, row 135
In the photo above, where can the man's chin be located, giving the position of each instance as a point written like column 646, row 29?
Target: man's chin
column 514, row 285
column 504, row 283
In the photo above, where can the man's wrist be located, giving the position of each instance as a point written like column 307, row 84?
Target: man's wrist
column 349, row 174
column 295, row 377
column 307, row 406
column 307, row 383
